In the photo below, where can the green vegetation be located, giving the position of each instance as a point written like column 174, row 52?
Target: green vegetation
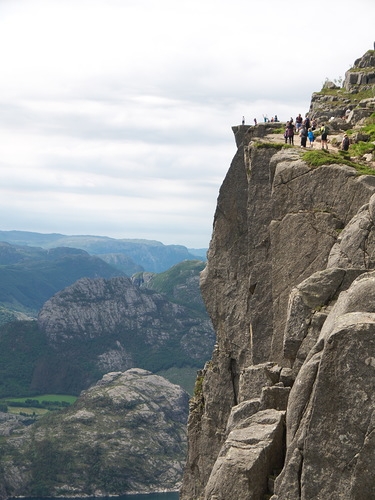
column 38, row 405
column 178, row 284
column 361, row 148
column 198, row 389
column 184, row 377
column 17, row 363
column 279, row 130
column 48, row 462
column 6, row 315
column 271, row 145
column 320, row 157
column 28, row 284
column 342, row 94
column 173, row 338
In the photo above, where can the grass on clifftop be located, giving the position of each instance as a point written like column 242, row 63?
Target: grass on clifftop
column 341, row 93
column 272, row 145
column 320, row 157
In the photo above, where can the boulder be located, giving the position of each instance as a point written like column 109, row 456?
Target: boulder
column 331, row 406
column 249, row 455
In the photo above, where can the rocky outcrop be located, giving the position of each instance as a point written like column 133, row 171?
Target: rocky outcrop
column 290, row 241
column 362, row 74
column 347, row 106
column 126, row 434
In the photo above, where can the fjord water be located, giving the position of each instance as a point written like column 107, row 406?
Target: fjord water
column 150, row 496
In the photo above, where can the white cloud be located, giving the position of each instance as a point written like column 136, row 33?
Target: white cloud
column 116, row 115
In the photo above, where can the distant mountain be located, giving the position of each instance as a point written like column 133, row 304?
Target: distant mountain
column 150, row 255
column 99, row 325
column 29, row 276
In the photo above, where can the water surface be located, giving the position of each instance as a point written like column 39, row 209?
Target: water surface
column 150, row 496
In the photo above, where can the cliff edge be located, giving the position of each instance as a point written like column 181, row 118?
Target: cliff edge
column 284, row 408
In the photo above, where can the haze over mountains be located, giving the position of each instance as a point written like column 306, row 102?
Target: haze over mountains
column 132, row 254
column 92, row 317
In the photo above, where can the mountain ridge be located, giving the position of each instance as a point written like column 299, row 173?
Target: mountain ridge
column 151, row 255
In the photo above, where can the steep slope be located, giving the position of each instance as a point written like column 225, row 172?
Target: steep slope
column 289, row 238
column 125, row 434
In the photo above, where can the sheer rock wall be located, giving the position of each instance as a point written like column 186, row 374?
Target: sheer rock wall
column 283, row 248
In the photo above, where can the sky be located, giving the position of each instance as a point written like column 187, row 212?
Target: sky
column 116, row 115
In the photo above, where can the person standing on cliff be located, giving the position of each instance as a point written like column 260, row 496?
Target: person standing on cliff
column 299, row 121
column 303, row 135
column 290, row 132
column 324, row 136
column 311, row 136
column 345, row 143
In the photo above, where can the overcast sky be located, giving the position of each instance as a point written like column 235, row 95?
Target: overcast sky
column 116, row 115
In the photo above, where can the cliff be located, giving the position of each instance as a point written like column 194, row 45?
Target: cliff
column 126, row 434
column 285, row 406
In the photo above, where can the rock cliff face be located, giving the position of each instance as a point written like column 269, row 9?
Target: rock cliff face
column 126, row 434
column 289, row 391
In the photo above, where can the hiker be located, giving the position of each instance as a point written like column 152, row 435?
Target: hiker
column 303, row 135
column 299, row 121
column 311, row 136
column 243, row 120
column 255, row 122
column 306, row 122
column 324, row 135
column 345, row 143
column 290, row 132
column 314, row 124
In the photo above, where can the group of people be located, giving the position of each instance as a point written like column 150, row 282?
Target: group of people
column 265, row 118
column 306, row 130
